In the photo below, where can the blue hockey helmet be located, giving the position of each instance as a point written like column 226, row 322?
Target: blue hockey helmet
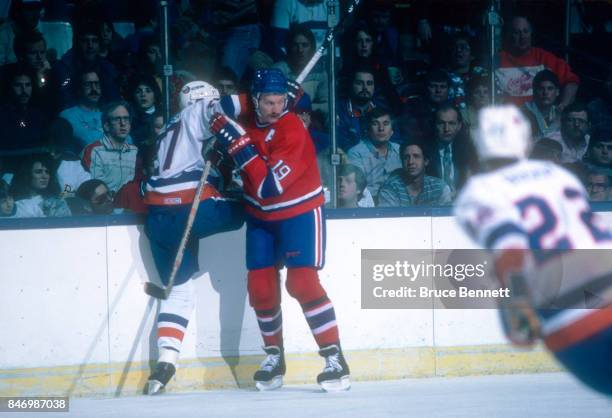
column 268, row 80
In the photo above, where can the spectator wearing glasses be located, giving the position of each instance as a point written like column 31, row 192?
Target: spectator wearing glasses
column 462, row 60
column 575, row 133
column 93, row 198
column 85, row 117
column 462, row 70
column 112, row 159
column 84, row 54
column 598, row 186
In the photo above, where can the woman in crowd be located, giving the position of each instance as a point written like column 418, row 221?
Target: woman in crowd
column 112, row 45
column 145, row 96
column 7, row 203
column 36, row 190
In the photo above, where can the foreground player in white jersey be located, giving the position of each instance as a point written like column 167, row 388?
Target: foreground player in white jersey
column 536, row 219
column 169, row 193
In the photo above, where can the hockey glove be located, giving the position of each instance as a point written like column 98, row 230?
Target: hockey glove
column 517, row 314
column 231, row 137
column 518, row 317
column 294, row 94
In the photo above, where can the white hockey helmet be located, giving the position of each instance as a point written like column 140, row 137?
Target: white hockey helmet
column 195, row 91
column 503, row 132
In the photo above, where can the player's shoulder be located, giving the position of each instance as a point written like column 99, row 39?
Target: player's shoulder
column 527, row 172
column 478, row 188
column 289, row 118
column 490, row 186
column 561, row 174
column 290, row 121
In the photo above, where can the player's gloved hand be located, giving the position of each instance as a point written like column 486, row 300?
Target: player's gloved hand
column 232, row 138
column 294, row 93
column 229, row 134
column 519, row 321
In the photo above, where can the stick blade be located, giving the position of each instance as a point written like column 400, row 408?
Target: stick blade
column 155, row 291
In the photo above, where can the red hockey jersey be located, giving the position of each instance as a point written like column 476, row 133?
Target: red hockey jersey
column 283, row 180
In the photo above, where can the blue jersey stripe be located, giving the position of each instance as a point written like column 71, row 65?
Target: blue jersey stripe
column 184, row 177
column 227, row 104
column 167, row 317
column 501, row 231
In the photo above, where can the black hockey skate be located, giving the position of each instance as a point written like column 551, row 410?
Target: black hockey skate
column 272, row 369
column 160, row 377
column 336, row 375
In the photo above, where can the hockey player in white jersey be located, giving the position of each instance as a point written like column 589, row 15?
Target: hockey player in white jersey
column 169, row 193
column 549, row 248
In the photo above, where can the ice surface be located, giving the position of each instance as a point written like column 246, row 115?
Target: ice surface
column 537, row 395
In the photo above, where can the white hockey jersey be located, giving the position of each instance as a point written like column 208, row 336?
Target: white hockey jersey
column 542, row 207
column 530, row 204
column 179, row 162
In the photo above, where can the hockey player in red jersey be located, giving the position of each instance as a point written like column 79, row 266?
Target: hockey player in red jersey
column 285, row 226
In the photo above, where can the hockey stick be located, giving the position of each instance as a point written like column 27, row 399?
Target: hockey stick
column 162, row 293
column 329, row 36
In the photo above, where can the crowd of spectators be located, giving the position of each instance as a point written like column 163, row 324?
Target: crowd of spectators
column 80, row 114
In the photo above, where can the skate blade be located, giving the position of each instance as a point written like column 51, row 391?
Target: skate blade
column 337, row 385
column 154, row 387
column 272, row 384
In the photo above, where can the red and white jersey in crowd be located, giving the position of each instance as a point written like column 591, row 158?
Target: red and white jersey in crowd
column 283, row 180
column 179, row 163
column 542, row 207
column 515, row 74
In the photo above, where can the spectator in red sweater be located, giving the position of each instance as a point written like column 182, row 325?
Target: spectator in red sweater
column 521, row 61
